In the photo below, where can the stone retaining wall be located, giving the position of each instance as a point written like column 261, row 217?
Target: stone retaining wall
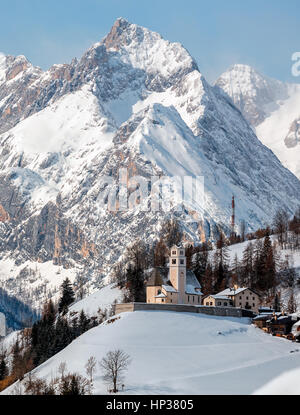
column 213, row 311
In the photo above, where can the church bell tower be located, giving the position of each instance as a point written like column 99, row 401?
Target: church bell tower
column 177, row 269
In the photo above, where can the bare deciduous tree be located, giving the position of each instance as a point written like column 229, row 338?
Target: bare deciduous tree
column 292, row 303
column 114, row 364
column 90, row 368
column 280, row 224
column 62, row 368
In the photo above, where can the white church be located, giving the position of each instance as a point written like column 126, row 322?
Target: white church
column 174, row 284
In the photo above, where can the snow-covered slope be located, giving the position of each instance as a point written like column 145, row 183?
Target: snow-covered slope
column 132, row 101
column 237, row 250
column 181, row 353
column 272, row 108
column 285, row 384
column 34, row 282
column 101, row 299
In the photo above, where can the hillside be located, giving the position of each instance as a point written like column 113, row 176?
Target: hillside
column 186, row 353
column 103, row 299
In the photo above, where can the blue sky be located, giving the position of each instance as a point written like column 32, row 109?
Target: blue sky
column 218, row 33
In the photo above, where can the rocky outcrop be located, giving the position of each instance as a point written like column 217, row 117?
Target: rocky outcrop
column 293, row 137
column 49, row 236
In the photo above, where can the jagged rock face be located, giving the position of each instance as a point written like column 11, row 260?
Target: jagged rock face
column 23, row 90
column 293, row 137
column 132, row 101
column 271, row 107
column 254, row 94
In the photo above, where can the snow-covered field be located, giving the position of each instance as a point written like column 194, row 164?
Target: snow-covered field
column 177, row 353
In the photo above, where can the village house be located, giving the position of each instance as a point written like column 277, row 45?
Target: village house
column 296, row 331
column 280, row 325
column 218, row 301
column 262, row 320
column 174, row 284
column 241, row 297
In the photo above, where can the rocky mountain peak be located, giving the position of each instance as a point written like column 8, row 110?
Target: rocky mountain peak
column 251, row 91
column 145, row 49
column 117, row 34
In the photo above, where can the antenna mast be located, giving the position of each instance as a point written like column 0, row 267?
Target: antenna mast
column 233, row 218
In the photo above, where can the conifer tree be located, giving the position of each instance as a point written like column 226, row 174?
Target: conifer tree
column 268, row 278
column 277, row 305
column 84, row 323
column 236, row 272
column 207, row 280
column 3, row 368
column 136, row 284
column 200, row 262
column 160, row 253
column 248, row 266
column 292, row 305
column 63, row 335
column 221, row 264
column 67, row 297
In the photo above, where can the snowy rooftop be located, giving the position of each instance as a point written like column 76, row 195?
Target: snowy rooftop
column 220, row 297
column 169, row 288
column 160, row 296
column 231, row 291
column 192, row 284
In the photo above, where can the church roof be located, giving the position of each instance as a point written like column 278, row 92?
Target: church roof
column 193, row 286
column 169, row 288
column 161, row 295
column 157, row 276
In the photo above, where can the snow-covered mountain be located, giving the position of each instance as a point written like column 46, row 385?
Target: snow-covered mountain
column 132, row 101
column 271, row 107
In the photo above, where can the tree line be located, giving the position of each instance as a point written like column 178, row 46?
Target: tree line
column 54, row 331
